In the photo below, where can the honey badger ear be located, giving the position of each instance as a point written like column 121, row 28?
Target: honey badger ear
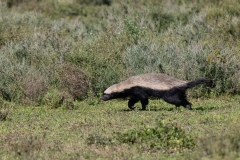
column 106, row 97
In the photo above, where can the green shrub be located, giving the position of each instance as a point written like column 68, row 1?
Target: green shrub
column 133, row 32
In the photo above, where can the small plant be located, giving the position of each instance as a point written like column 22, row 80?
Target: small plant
column 162, row 20
column 3, row 114
column 93, row 99
column 133, row 31
column 54, row 98
column 167, row 137
column 98, row 139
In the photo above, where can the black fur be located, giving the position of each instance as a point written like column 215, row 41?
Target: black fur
column 175, row 95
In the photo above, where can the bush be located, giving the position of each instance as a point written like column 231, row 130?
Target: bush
column 54, row 99
column 74, row 80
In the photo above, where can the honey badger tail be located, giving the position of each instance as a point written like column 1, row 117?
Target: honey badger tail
column 197, row 82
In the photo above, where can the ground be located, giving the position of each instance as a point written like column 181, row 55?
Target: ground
column 90, row 131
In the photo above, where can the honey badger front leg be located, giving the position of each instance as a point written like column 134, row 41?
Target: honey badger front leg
column 138, row 96
column 131, row 102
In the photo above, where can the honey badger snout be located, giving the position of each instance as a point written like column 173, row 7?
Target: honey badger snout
column 106, row 97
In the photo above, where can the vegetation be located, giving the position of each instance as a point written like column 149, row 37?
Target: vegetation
column 57, row 56
column 111, row 131
column 165, row 137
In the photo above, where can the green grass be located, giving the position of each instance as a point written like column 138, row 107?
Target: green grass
column 92, row 131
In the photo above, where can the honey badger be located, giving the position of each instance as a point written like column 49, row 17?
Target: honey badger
column 141, row 87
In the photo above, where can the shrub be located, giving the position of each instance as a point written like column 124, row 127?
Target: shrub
column 55, row 98
column 133, row 32
column 34, row 86
column 74, row 80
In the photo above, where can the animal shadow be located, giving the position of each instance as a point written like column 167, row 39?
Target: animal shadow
column 151, row 109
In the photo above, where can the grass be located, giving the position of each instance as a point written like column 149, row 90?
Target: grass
column 96, row 131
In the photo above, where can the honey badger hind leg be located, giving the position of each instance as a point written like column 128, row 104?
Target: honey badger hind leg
column 144, row 103
column 186, row 104
column 178, row 98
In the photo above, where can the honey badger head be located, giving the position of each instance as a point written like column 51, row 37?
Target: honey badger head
column 141, row 87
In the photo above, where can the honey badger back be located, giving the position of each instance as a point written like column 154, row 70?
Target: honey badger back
column 141, row 87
